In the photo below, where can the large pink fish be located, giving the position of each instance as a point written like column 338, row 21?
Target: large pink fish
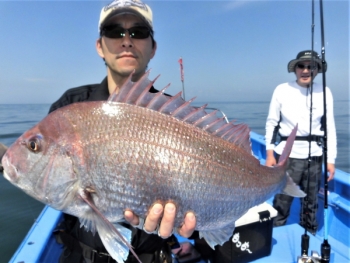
column 95, row 159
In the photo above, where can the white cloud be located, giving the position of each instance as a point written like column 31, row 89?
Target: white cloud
column 233, row 5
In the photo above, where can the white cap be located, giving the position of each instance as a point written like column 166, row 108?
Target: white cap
column 118, row 7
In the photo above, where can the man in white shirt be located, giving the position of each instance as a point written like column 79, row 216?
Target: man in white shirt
column 292, row 104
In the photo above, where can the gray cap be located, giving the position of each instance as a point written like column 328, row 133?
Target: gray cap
column 118, row 7
column 307, row 55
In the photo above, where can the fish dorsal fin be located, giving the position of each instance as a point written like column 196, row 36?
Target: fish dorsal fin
column 137, row 93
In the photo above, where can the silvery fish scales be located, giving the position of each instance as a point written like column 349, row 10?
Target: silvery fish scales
column 134, row 156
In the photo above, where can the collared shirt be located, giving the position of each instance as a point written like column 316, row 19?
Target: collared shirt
column 91, row 92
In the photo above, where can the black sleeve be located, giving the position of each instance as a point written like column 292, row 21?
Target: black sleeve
column 146, row 243
column 73, row 95
column 83, row 93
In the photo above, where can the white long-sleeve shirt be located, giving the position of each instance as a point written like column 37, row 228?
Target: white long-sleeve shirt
column 290, row 104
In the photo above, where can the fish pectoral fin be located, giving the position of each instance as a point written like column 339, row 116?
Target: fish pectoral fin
column 292, row 189
column 115, row 238
column 217, row 236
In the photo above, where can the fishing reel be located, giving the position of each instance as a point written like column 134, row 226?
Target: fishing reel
column 314, row 258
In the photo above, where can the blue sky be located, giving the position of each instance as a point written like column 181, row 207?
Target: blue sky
column 232, row 50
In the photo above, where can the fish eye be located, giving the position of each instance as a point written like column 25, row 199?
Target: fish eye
column 34, row 144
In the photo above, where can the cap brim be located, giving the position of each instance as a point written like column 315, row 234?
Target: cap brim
column 292, row 64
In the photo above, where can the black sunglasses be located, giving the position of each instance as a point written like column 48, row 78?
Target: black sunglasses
column 115, row 31
column 302, row 66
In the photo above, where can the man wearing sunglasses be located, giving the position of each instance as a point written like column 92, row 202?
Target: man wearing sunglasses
column 126, row 44
column 292, row 104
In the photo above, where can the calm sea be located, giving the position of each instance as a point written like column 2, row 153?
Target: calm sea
column 19, row 211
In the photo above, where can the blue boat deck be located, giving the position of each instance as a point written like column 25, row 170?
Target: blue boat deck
column 40, row 246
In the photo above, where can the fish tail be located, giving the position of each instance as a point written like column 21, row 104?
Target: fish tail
column 291, row 188
column 287, row 148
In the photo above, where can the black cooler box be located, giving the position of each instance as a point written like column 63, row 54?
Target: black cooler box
column 251, row 239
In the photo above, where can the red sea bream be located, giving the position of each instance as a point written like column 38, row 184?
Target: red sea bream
column 95, row 159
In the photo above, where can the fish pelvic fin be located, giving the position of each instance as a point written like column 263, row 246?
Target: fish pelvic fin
column 115, row 237
column 137, row 93
column 292, row 189
column 217, row 236
column 115, row 245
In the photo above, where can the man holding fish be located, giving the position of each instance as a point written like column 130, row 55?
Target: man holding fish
column 126, row 45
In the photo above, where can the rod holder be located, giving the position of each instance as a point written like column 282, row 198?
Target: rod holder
column 305, row 244
column 325, row 252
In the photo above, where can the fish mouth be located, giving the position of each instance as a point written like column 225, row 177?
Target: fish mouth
column 10, row 171
column 7, row 177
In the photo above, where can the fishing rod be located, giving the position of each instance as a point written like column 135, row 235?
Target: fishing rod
column 325, row 246
column 305, row 239
column 182, row 77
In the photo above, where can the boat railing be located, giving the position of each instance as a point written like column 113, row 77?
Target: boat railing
column 339, row 195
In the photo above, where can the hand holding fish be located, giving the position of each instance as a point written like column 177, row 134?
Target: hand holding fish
column 166, row 218
column 270, row 158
